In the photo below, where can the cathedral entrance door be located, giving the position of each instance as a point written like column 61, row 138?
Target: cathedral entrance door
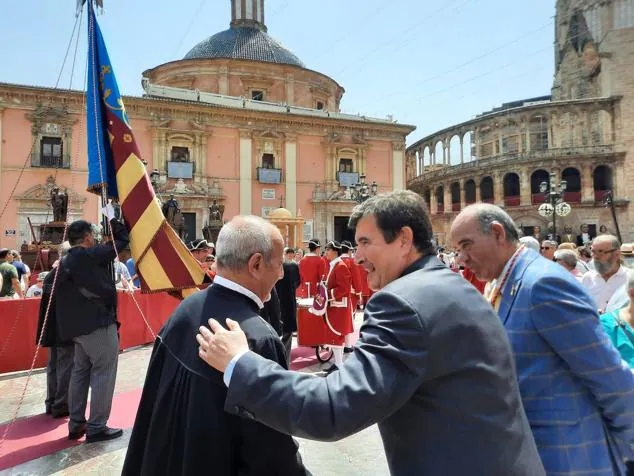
column 190, row 226
column 342, row 232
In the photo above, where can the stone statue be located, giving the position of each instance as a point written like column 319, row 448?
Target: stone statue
column 59, row 202
column 216, row 212
column 169, row 209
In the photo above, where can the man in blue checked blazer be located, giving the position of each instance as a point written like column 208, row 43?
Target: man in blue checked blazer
column 577, row 393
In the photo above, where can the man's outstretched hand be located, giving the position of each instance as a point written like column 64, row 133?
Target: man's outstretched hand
column 219, row 346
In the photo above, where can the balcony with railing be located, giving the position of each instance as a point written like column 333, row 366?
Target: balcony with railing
column 512, row 201
column 269, row 176
column 538, row 198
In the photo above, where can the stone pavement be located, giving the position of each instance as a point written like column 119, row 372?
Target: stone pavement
column 361, row 454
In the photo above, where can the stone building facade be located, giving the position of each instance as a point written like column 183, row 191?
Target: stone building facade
column 583, row 133
column 240, row 120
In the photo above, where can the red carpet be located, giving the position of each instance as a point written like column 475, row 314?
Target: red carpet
column 41, row 435
column 33, row 437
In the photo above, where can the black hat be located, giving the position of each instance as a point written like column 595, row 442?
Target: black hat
column 346, row 245
column 199, row 244
column 333, row 245
column 314, row 242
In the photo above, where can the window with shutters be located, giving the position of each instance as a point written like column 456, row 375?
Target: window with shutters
column 51, row 152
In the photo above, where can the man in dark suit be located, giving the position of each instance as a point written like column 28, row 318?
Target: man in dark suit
column 181, row 427
column 86, row 310
column 585, row 237
column 433, row 366
column 286, row 289
column 60, row 353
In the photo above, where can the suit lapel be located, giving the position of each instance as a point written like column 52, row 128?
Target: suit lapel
column 513, row 284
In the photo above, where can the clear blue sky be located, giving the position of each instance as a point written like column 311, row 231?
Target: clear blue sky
column 430, row 63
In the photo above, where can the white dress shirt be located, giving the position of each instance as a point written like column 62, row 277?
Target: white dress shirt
column 226, row 283
column 602, row 290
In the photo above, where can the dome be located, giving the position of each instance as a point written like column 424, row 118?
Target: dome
column 280, row 213
column 246, row 43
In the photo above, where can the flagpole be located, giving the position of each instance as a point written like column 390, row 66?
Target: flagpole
column 105, row 224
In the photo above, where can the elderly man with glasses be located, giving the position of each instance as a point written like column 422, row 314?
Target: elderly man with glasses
column 548, row 249
column 609, row 274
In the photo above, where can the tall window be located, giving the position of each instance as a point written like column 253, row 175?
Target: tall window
column 268, row 161
column 51, row 152
column 180, row 154
column 539, row 133
column 345, row 165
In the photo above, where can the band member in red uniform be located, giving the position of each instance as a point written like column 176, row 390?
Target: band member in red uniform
column 356, row 291
column 312, row 269
column 201, row 250
column 339, row 309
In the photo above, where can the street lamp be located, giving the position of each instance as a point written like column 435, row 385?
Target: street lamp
column 609, row 202
column 362, row 191
column 555, row 204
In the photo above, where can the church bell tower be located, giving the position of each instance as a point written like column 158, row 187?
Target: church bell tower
column 248, row 13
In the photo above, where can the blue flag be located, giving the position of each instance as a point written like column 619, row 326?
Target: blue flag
column 102, row 93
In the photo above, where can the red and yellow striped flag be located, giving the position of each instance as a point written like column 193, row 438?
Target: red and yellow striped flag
column 114, row 163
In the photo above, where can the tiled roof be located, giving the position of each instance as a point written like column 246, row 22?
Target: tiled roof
column 244, row 43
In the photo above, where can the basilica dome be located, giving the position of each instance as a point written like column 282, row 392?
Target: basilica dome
column 246, row 43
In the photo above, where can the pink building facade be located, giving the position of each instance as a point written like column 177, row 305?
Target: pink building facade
column 251, row 128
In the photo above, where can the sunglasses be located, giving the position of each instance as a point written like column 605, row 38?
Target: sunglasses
column 546, row 248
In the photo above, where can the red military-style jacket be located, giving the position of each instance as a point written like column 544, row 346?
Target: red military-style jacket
column 356, row 280
column 339, row 309
column 312, row 270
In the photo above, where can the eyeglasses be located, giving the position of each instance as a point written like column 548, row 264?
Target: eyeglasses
column 603, row 252
column 546, row 248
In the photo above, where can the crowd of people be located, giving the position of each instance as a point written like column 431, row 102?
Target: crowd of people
column 507, row 356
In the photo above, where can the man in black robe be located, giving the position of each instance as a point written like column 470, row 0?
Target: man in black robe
column 181, row 427
column 286, row 289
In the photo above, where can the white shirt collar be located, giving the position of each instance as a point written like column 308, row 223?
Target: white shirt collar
column 226, row 283
column 335, row 261
column 310, row 254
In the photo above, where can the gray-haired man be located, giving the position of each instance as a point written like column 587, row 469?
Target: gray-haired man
column 181, row 426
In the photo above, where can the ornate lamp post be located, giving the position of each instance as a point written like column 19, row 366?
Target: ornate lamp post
column 555, row 204
column 609, row 202
column 362, row 191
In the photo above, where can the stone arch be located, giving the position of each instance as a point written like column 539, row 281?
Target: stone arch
column 440, row 199
column 454, row 150
column 468, row 146
column 470, row 191
column 427, row 196
column 455, row 196
column 487, row 190
column 537, row 177
column 572, row 176
column 439, row 153
column 511, row 185
column 602, row 180
column 417, row 158
column 426, row 157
